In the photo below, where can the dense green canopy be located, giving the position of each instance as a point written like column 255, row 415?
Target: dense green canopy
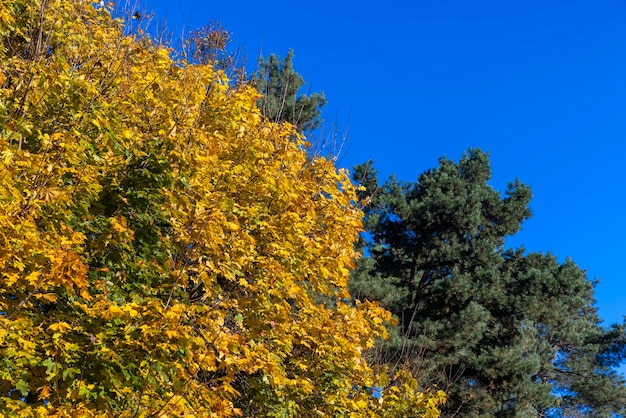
column 503, row 331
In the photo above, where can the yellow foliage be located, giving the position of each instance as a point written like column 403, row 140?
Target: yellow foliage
column 164, row 251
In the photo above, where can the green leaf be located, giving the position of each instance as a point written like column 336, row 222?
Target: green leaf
column 23, row 387
column 51, row 367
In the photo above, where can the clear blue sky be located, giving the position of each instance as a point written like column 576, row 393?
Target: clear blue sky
column 541, row 85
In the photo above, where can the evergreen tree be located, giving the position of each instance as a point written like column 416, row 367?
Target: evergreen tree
column 280, row 85
column 503, row 332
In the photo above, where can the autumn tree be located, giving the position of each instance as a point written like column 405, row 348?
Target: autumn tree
column 210, row 45
column 503, row 331
column 163, row 246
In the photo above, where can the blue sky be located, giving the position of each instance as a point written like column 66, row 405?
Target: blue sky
column 540, row 85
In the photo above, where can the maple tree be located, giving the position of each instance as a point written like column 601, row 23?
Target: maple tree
column 164, row 249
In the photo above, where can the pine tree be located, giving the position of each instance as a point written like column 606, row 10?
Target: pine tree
column 281, row 102
column 505, row 333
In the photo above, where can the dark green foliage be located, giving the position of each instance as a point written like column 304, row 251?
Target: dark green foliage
column 504, row 333
column 280, row 85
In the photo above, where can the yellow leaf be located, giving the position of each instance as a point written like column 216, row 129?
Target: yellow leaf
column 50, row 297
column 114, row 311
column 60, row 327
column 33, row 277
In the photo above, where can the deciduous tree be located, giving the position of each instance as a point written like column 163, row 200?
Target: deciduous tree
column 162, row 246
